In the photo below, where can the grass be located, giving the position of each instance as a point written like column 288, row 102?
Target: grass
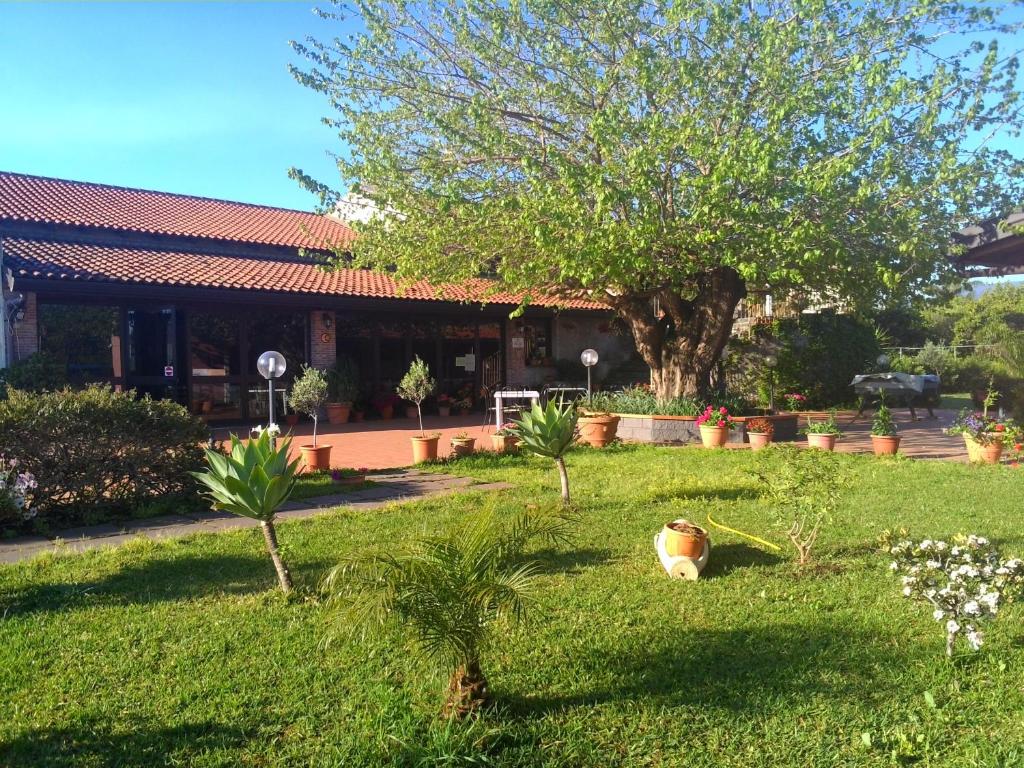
column 311, row 484
column 184, row 653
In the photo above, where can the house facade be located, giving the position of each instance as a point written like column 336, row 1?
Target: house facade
column 176, row 296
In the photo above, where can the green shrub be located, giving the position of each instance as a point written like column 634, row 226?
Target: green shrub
column 99, row 451
column 36, row 373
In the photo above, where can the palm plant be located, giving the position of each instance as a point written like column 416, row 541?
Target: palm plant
column 549, row 431
column 254, row 480
column 450, row 592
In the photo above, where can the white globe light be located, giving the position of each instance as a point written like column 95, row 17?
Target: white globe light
column 589, row 357
column 271, row 365
column 883, row 360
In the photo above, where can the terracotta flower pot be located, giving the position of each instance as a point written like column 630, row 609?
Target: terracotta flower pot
column 684, row 539
column 410, row 412
column 825, row 442
column 598, row 429
column 885, row 445
column 713, row 437
column 444, row 410
column 981, row 453
column 424, row 449
column 504, row 443
column 759, row 440
column 316, row 457
column 387, row 412
column 463, row 446
column 338, row 413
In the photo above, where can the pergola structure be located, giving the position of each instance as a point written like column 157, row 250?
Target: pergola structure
column 995, row 248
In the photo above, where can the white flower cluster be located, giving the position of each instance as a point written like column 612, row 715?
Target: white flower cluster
column 16, row 489
column 271, row 429
column 964, row 582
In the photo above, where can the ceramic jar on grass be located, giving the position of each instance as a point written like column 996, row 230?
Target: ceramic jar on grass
column 824, row 433
column 715, row 425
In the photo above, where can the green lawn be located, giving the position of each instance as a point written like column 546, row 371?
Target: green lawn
column 184, row 653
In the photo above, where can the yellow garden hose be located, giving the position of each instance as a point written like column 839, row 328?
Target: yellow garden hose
column 768, row 544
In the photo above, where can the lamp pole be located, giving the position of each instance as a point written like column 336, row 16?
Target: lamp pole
column 271, row 365
column 771, row 361
column 589, row 358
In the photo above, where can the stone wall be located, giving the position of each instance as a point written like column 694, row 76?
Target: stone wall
column 683, row 429
column 323, row 349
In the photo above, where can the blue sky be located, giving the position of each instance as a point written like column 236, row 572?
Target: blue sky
column 184, row 97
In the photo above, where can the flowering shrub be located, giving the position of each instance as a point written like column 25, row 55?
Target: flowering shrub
column 272, row 430
column 964, row 582
column 15, row 492
column 794, row 401
column 508, row 429
column 763, row 426
column 716, row 417
column 983, row 429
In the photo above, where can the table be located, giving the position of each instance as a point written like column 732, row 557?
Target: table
column 512, row 394
column 563, row 394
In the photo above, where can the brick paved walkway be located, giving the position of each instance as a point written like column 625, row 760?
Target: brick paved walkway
column 921, row 439
column 400, row 485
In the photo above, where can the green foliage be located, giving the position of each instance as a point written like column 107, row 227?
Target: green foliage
column 627, row 151
column 641, row 399
column 343, row 380
column 826, row 426
column 98, row 451
column 38, row 372
column 309, row 394
column 883, row 425
column 417, row 385
column 819, row 354
column 253, row 480
column 987, row 319
column 549, row 431
column 451, row 591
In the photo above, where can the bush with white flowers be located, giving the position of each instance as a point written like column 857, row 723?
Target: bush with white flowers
column 15, row 492
column 965, row 581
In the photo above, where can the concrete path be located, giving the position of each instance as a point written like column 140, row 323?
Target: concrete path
column 397, row 485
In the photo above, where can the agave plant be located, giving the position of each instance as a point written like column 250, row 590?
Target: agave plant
column 450, row 591
column 549, row 431
column 254, row 480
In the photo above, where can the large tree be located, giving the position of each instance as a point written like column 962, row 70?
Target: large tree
column 660, row 157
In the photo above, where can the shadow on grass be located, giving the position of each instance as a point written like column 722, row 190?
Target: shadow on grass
column 559, row 561
column 157, row 580
column 741, row 670
column 92, row 743
column 726, row 558
column 687, row 492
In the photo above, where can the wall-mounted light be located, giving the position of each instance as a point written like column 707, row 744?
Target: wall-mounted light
column 328, row 320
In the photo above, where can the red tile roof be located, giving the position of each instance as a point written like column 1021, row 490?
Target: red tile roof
column 86, row 263
column 42, row 200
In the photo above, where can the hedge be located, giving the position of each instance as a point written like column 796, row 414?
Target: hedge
column 96, row 452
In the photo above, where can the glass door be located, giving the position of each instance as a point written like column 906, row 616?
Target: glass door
column 151, row 354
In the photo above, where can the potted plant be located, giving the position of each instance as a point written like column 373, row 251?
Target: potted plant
column 715, row 425
column 794, row 401
column 824, row 433
column 884, row 440
column 463, row 444
column 504, row 440
column 358, row 410
column 384, row 403
column 416, row 386
column 984, row 437
column 760, row 432
column 597, row 425
column 684, row 539
column 308, row 395
column 463, row 402
column 444, row 405
column 343, row 387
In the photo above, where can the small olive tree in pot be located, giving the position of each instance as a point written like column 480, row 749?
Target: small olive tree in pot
column 416, row 386
column 308, row 396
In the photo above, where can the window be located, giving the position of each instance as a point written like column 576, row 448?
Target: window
column 283, row 332
column 214, row 348
column 537, row 341
column 85, row 339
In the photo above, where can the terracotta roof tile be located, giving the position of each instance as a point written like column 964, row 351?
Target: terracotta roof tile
column 84, row 263
column 43, row 200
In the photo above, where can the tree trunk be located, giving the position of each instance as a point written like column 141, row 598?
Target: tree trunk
column 564, row 477
column 467, row 691
column 681, row 334
column 270, row 536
